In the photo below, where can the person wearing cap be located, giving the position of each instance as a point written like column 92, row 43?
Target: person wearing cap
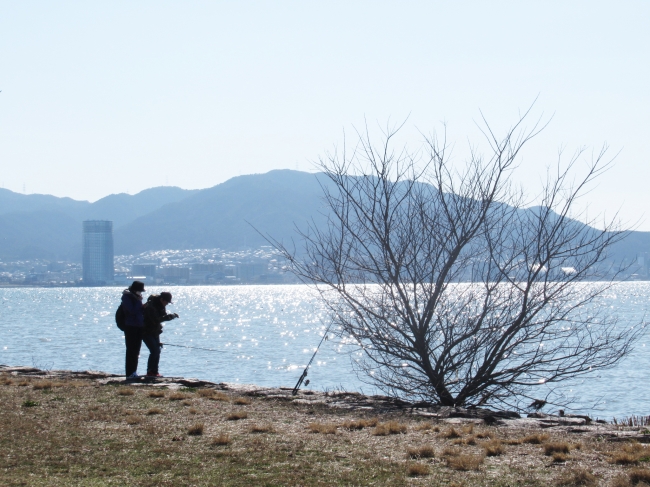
column 155, row 313
column 133, row 326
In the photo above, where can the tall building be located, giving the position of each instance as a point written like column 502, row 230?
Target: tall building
column 98, row 252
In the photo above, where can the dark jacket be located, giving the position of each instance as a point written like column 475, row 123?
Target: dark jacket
column 133, row 311
column 154, row 314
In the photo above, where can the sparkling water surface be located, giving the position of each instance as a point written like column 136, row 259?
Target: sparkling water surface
column 262, row 335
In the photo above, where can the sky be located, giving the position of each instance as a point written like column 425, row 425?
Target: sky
column 108, row 97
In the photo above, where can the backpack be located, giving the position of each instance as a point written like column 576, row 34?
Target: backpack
column 120, row 318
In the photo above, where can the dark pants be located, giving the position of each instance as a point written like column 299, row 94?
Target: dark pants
column 133, row 338
column 153, row 344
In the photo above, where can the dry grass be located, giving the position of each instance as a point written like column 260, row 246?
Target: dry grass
column 470, row 440
column 262, row 428
column 493, row 448
column 623, row 458
column 242, row 401
column 451, row 433
column 237, row 415
column 186, row 402
column 426, row 451
column 206, row 392
column 360, row 424
column 620, row 481
column 536, row 439
column 196, row 429
column 219, row 396
column 87, row 434
column 125, row 391
column 6, row 381
column 417, row 470
column 323, row 428
column 389, row 428
column 557, row 447
column 465, row 462
column 221, row 440
column 43, row 384
column 178, row 396
column 559, row 457
column 468, row 429
column 639, row 475
column 580, row 477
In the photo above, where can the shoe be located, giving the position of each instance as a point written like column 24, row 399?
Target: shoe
column 133, row 376
column 153, row 374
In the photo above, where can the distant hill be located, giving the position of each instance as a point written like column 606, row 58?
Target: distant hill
column 43, row 226
column 217, row 217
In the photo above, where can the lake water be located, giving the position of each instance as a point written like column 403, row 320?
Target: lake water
column 262, row 335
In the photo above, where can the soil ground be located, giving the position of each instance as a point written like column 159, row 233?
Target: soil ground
column 61, row 428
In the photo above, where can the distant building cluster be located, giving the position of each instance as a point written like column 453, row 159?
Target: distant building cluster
column 99, row 267
column 203, row 266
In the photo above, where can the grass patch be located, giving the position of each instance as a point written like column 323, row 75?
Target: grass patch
column 156, row 394
column 639, row 475
column 417, row 470
column 559, row 457
column 43, row 384
column 536, row 439
column 178, row 396
column 261, row 428
column 465, row 462
column 389, row 428
column 219, row 396
column 580, row 477
column 237, row 415
column 242, row 401
column 125, row 391
column 28, row 403
column 558, row 447
column 425, row 451
column 153, row 411
column 623, row 458
column 451, row 433
column 196, row 429
column 221, row 440
column 493, row 448
column 323, row 428
column 360, row 424
column 131, row 420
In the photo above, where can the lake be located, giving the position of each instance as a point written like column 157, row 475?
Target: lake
column 262, row 335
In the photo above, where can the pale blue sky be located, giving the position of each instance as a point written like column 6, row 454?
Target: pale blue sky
column 105, row 97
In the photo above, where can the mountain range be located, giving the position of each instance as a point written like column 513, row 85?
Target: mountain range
column 229, row 216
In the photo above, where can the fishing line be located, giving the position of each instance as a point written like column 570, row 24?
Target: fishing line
column 163, row 345
column 304, row 373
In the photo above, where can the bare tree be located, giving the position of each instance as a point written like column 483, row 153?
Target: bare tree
column 457, row 292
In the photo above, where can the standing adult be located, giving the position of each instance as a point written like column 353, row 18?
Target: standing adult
column 133, row 326
column 155, row 313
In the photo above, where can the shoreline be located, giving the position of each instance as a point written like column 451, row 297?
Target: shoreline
column 344, row 401
column 78, row 428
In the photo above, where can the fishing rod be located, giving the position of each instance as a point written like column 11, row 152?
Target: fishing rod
column 195, row 348
column 304, row 373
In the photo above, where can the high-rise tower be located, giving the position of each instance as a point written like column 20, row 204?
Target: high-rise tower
column 98, row 252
